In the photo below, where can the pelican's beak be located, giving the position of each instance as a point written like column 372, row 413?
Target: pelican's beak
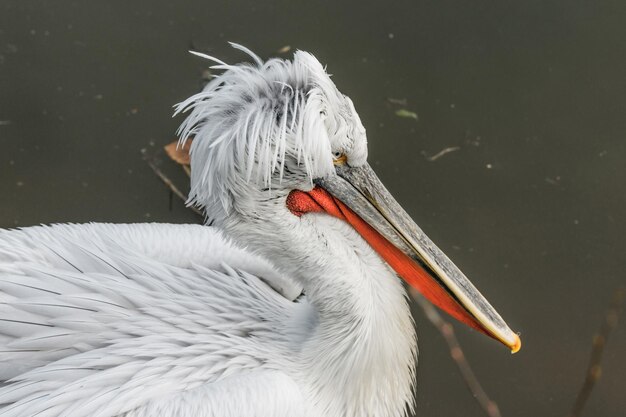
column 358, row 196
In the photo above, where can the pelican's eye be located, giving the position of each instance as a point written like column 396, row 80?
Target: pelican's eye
column 339, row 158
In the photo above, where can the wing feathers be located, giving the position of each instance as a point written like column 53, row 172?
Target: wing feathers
column 99, row 320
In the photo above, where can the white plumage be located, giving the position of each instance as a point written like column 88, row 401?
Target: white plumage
column 106, row 318
column 260, row 123
column 289, row 315
column 169, row 320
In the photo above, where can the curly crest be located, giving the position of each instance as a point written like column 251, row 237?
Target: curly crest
column 250, row 118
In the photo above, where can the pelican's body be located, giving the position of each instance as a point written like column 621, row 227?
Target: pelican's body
column 290, row 306
column 168, row 320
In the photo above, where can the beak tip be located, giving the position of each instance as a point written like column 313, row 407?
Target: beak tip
column 517, row 345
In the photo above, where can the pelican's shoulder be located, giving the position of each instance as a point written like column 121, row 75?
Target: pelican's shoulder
column 178, row 245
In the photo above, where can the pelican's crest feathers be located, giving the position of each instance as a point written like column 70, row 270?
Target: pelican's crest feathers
column 253, row 118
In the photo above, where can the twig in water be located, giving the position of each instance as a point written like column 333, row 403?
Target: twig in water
column 447, row 331
column 594, row 370
column 443, row 152
column 170, row 184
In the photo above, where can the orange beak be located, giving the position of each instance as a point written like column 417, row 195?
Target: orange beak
column 406, row 249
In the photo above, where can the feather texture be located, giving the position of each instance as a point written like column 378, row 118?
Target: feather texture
column 164, row 320
column 93, row 324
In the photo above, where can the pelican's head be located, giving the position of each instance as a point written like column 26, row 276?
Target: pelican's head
column 267, row 127
column 275, row 140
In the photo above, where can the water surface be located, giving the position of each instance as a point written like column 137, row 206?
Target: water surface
column 530, row 205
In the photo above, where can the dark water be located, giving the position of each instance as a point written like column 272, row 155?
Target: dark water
column 530, row 206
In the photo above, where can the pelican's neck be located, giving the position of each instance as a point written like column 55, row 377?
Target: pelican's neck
column 364, row 345
column 359, row 355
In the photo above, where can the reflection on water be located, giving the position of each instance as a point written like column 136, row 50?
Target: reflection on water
column 499, row 126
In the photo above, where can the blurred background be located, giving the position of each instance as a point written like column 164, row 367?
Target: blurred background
column 499, row 125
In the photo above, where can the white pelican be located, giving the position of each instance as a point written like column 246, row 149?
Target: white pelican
column 290, row 305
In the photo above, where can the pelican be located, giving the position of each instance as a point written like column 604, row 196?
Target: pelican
column 290, row 304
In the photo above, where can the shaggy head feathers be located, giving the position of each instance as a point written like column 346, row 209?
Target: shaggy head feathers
column 254, row 122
